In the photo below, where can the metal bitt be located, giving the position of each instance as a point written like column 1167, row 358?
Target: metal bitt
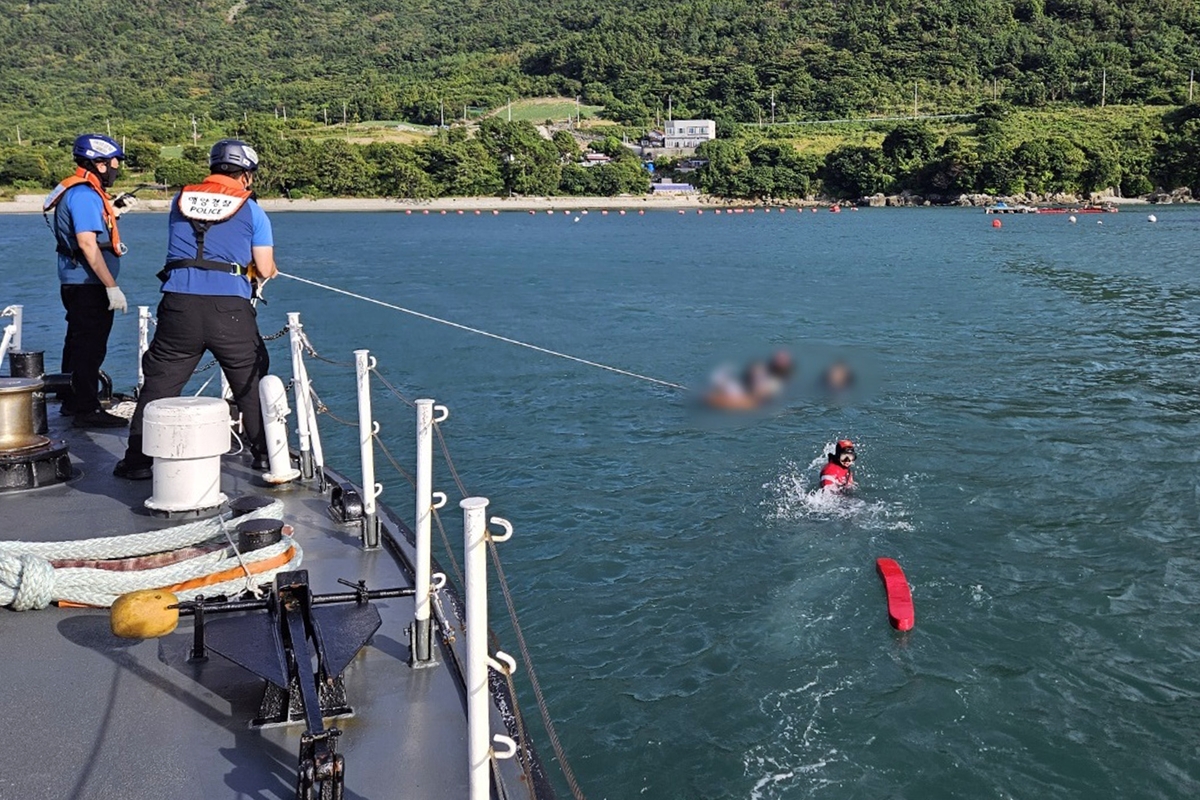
column 367, row 428
column 479, row 751
column 300, row 387
column 426, row 503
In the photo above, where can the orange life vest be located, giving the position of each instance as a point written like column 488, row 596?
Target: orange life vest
column 109, row 214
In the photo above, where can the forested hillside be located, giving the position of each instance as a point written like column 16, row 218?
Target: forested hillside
column 80, row 61
column 1063, row 96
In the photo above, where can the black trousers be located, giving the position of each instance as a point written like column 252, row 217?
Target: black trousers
column 188, row 325
column 88, row 324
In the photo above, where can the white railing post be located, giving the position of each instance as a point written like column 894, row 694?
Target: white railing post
column 479, row 751
column 300, row 390
column 143, row 343
column 11, row 343
column 422, row 648
column 18, row 315
column 367, row 428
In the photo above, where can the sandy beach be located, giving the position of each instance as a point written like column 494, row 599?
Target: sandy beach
column 32, row 204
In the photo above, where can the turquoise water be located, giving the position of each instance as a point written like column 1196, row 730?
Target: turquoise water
column 702, row 625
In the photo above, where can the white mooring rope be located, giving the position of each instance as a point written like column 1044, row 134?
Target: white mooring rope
column 29, row 581
column 495, row 336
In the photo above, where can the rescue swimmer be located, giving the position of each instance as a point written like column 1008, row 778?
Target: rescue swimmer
column 89, row 251
column 219, row 242
column 837, row 475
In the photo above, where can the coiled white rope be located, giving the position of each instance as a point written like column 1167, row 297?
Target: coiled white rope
column 29, row 581
column 138, row 544
column 495, row 336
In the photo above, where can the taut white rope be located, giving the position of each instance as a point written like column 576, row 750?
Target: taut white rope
column 496, row 336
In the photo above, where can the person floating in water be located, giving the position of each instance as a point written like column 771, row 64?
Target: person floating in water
column 760, row 382
column 836, row 476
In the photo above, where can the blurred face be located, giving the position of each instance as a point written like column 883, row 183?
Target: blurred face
column 846, row 459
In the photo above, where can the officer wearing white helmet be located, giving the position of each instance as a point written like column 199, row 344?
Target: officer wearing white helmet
column 89, row 261
column 218, row 240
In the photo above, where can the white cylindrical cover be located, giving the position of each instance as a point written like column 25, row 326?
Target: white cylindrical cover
column 186, row 427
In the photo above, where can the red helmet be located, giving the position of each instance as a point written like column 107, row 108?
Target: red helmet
column 844, row 446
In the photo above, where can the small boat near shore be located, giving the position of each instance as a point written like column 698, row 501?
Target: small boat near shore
column 1004, row 208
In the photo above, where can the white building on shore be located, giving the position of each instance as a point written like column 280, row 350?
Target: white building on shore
column 689, row 133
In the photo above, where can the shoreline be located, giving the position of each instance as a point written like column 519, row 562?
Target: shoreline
column 32, row 204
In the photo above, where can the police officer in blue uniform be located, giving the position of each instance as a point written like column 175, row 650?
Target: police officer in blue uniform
column 89, row 261
column 218, row 238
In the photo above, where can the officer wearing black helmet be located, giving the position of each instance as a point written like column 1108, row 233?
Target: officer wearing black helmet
column 218, row 235
column 89, row 258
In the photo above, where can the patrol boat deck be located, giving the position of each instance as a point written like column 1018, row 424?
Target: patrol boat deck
column 96, row 716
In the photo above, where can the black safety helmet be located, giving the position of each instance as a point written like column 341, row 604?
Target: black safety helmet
column 232, row 155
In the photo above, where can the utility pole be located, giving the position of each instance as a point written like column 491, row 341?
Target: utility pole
column 1191, row 84
column 914, row 99
column 325, row 112
column 285, row 112
column 1103, row 86
column 442, row 113
column 772, row 106
column 18, row 134
column 510, row 109
column 345, row 124
column 195, row 134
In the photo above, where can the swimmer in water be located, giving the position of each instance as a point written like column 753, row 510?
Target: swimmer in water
column 836, row 476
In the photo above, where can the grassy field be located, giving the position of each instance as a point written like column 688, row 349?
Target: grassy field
column 538, row 110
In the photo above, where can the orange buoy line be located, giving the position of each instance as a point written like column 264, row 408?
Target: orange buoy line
column 575, row 213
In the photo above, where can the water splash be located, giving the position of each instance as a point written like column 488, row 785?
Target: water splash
column 794, row 495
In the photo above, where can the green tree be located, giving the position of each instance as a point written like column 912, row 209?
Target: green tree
column 397, row 171
column 529, row 164
column 853, row 171
column 25, row 165
column 727, row 169
column 460, row 167
column 175, row 172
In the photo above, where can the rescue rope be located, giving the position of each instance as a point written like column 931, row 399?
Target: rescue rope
column 480, row 332
column 29, row 579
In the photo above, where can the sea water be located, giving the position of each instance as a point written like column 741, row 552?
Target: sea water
column 705, row 625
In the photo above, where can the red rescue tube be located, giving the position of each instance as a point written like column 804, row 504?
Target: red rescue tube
column 899, row 598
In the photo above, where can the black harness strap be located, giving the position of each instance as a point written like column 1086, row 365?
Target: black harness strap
column 200, row 262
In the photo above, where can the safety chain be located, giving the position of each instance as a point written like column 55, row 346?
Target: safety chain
column 568, row 773
column 277, row 335
column 214, row 362
column 312, row 351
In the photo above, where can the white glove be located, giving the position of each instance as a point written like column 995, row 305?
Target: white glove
column 124, row 202
column 116, row 299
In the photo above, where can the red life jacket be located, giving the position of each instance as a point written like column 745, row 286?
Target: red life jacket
column 835, row 476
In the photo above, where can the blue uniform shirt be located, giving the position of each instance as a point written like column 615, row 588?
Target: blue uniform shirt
column 229, row 242
column 81, row 211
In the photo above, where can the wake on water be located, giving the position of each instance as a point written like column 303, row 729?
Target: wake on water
column 795, row 496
